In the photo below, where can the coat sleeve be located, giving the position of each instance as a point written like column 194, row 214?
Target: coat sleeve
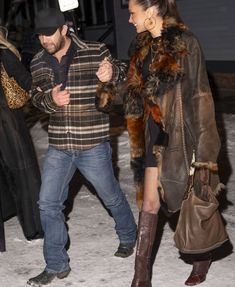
column 108, row 94
column 119, row 67
column 41, row 93
column 201, row 106
column 16, row 69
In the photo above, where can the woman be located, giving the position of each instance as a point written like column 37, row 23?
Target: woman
column 169, row 103
column 20, row 175
column 167, row 72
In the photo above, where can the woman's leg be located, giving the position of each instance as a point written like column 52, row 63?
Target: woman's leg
column 201, row 265
column 146, row 229
column 151, row 201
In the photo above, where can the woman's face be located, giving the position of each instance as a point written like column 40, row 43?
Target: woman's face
column 140, row 17
column 137, row 16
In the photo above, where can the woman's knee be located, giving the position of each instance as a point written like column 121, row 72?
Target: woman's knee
column 151, row 206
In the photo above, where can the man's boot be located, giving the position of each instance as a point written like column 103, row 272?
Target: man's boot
column 146, row 234
column 200, row 269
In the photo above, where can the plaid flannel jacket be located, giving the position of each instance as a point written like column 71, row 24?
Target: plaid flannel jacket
column 79, row 125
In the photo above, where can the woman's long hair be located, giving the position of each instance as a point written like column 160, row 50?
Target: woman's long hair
column 5, row 44
column 166, row 8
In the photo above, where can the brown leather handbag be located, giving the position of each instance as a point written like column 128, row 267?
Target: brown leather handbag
column 16, row 96
column 200, row 227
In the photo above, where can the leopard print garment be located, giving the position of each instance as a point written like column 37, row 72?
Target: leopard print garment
column 16, row 96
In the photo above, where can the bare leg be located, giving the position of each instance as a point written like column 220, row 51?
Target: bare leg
column 147, row 226
column 151, row 202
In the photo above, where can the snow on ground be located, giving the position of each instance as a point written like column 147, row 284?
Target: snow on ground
column 92, row 236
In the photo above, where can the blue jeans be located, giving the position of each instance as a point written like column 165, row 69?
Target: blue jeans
column 96, row 166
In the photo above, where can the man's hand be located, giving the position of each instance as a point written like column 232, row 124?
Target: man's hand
column 61, row 98
column 105, row 71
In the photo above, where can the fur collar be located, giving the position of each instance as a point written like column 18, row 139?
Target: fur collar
column 164, row 71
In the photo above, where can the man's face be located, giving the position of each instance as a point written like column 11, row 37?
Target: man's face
column 53, row 43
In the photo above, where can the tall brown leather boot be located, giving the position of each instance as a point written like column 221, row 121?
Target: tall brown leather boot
column 146, row 234
column 200, row 269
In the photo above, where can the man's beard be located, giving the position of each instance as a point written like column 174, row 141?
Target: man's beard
column 57, row 47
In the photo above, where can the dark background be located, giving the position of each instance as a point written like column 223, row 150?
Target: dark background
column 212, row 21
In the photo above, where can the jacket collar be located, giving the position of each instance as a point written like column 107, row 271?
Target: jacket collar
column 165, row 68
column 81, row 44
column 170, row 38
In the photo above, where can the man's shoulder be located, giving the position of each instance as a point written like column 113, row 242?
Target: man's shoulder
column 38, row 57
column 38, row 62
column 85, row 44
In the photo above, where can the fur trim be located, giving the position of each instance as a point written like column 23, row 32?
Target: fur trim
column 135, row 106
column 136, row 136
column 137, row 166
column 157, row 151
column 139, row 195
column 155, row 111
column 105, row 94
column 164, row 73
column 213, row 167
column 219, row 188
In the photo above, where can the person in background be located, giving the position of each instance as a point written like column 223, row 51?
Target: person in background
column 64, row 85
column 170, row 119
column 20, row 178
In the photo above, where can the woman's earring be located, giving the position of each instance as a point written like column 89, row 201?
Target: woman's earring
column 149, row 23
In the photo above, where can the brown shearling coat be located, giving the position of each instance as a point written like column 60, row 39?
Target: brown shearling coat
column 186, row 110
column 199, row 126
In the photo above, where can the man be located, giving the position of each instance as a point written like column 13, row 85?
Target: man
column 64, row 85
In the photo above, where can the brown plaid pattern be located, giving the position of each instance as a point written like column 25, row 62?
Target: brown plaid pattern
column 79, row 125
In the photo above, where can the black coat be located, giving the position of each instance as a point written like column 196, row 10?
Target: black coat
column 20, row 178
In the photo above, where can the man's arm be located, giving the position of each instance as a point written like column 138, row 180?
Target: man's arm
column 42, row 90
column 111, row 71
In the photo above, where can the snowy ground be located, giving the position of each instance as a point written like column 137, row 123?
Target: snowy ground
column 92, row 236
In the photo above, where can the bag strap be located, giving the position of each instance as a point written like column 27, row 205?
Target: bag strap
column 189, row 170
column 2, row 68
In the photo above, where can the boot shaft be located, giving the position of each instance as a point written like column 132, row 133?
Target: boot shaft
column 147, row 226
